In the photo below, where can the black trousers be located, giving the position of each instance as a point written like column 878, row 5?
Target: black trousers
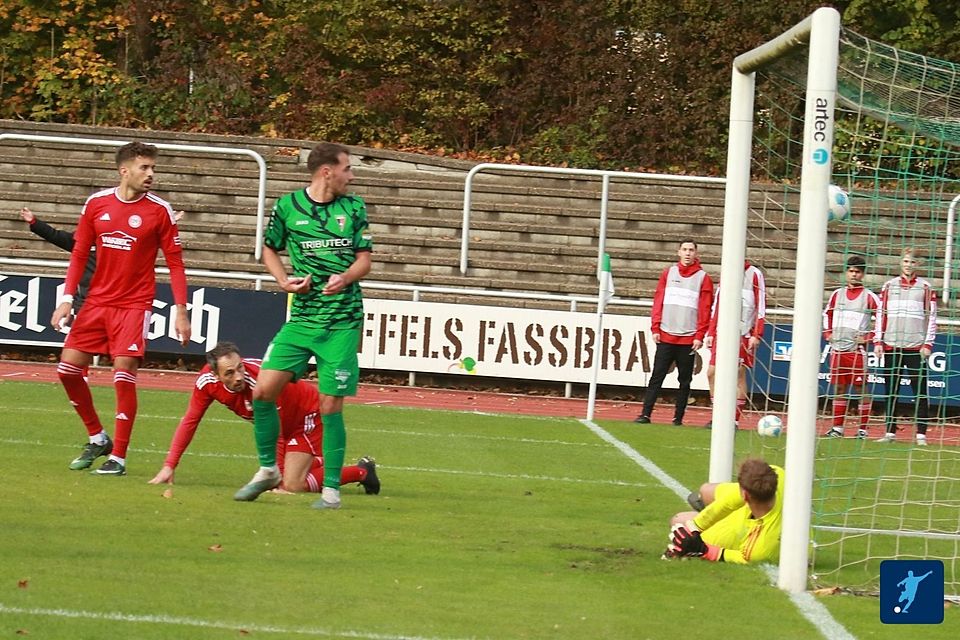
column 894, row 361
column 667, row 355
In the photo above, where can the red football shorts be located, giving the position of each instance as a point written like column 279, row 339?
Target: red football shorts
column 109, row 330
column 746, row 356
column 847, row 367
column 305, row 436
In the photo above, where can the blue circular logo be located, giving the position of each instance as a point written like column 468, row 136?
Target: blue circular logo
column 820, row 156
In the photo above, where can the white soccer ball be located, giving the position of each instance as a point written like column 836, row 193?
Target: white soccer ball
column 770, row 425
column 838, row 209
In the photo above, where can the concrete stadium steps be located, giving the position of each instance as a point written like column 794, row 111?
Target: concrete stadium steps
column 536, row 233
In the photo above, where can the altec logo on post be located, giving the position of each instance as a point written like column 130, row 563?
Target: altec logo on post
column 911, row 592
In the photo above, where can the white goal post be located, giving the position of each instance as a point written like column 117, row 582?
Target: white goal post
column 820, row 32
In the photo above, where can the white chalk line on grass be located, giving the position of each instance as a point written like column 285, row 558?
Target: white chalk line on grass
column 209, row 624
column 809, row 607
column 422, row 434
column 251, row 456
column 418, row 434
column 814, row 611
column 665, row 478
column 520, row 476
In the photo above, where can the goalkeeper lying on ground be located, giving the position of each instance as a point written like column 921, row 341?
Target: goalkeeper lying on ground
column 737, row 521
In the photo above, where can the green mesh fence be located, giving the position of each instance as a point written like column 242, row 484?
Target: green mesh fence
column 896, row 152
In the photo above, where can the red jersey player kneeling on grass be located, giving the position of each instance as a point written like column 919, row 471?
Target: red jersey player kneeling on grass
column 230, row 379
column 127, row 225
column 737, row 522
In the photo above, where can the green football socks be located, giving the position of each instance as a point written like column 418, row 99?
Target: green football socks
column 334, row 447
column 266, row 430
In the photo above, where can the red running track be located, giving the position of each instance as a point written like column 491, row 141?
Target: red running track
column 402, row 396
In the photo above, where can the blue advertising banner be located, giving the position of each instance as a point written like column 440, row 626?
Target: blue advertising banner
column 772, row 368
column 248, row 318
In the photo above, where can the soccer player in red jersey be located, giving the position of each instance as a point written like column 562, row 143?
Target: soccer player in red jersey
column 850, row 324
column 753, row 313
column 230, row 379
column 128, row 225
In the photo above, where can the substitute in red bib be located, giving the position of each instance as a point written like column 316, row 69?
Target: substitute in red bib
column 679, row 321
column 849, row 325
column 908, row 328
column 753, row 313
column 128, row 225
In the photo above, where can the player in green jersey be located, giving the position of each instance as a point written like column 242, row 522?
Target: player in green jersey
column 327, row 238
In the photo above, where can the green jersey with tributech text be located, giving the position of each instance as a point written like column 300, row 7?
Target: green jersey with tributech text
column 321, row 239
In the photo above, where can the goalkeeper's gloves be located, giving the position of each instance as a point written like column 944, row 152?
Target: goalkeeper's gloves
column 687, row 542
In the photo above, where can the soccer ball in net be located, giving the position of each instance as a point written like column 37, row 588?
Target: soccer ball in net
column 838, row 209
column 770, row 425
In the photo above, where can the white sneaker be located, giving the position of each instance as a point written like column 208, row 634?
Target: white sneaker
column 921, row 440
column 834, row 432
column 887, row 437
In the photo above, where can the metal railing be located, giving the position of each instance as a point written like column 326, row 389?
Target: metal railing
column 261, row 164
column 604, row 196
column 948, row 250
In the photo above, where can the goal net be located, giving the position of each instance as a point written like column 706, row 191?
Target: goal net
column 893, row 133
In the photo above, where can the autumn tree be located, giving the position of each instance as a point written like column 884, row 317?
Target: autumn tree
column 614, row 84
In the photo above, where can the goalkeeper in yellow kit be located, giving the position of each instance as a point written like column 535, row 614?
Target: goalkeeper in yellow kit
column 739, row 522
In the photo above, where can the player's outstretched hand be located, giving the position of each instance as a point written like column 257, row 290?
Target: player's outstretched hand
column 164, row 476
column 686, row 543
column 27, row 215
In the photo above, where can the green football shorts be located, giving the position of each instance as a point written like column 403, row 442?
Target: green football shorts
column 335, row 349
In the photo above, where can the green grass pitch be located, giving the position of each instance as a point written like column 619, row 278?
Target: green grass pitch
column 488, row 526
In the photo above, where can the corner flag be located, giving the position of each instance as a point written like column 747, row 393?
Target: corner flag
column 606, row 284
column 603, row 297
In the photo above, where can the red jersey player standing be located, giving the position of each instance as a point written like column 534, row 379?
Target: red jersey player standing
column 753, row 313
column 850, row 323
column 230, row 379
column 128, row 225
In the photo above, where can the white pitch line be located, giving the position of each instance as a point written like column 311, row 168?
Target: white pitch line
column 809, row 608
column 814, row 611
column 252, row 456
column 14, row 374
column 422, row 434
column 518, row 476
column 474, row 436
column 455, row 412
column 210, row 624
column 665, row 478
